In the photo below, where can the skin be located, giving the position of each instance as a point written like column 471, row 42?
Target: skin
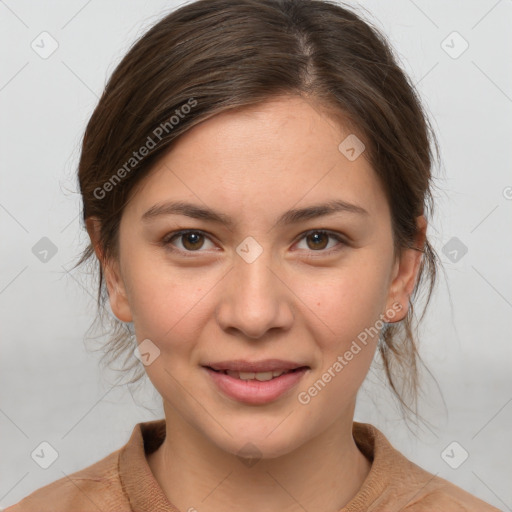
column 253, row 165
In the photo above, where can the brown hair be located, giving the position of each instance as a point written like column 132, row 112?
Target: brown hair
column 211, row 56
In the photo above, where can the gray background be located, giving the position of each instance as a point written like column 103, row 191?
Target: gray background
column 53, row 390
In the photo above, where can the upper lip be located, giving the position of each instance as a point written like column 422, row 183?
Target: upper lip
column 266, row 365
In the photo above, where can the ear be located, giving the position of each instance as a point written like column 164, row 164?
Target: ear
column 405, row 274
column 115, row 285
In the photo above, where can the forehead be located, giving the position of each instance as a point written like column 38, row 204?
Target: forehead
column 264, row 158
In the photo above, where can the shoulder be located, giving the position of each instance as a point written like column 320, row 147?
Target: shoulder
column 96, row 487
column 439, row 494
column 397, row 483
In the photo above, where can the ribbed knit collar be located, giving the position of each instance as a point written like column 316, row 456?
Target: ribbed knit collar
column 145, row 494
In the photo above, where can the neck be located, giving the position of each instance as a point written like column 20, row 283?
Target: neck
column 196, row 474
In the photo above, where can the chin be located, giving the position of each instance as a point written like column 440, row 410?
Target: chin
column 255, row 442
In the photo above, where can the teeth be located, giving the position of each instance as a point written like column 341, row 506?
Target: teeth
column 261, row 376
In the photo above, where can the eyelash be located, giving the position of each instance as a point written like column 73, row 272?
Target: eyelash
column 166, row 241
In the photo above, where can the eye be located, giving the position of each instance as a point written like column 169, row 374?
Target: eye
column 318, row 239
column 193, row 240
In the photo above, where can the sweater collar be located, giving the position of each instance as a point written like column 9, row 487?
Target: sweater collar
column 144, row 492
column 139, row 483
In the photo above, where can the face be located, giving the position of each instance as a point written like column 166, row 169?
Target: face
column 255, row 282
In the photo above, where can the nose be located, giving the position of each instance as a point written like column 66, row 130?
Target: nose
column 254, row 299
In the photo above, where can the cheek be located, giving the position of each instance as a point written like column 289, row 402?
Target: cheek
column 349, row 299
column 349, row 307
column 168, row 303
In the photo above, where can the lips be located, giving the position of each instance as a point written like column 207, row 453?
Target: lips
column 267, row 365
column 255, row 383
column 261, row 376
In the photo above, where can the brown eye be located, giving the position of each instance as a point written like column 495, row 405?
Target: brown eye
column 319, row 240
column 192, row 240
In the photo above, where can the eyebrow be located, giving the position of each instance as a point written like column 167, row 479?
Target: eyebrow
column 289, row 217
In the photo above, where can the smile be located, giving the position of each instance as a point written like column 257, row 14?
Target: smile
column 255, row 387
column 261, row 376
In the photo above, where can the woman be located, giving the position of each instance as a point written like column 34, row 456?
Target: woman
column 256, row 185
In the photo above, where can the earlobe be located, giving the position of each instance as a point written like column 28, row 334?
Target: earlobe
column 117, row 294
column 113, row 280
column 406, row 273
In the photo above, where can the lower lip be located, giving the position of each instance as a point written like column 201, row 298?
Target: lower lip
column 253, row 391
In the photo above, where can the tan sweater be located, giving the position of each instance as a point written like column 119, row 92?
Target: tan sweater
column 123, row 482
